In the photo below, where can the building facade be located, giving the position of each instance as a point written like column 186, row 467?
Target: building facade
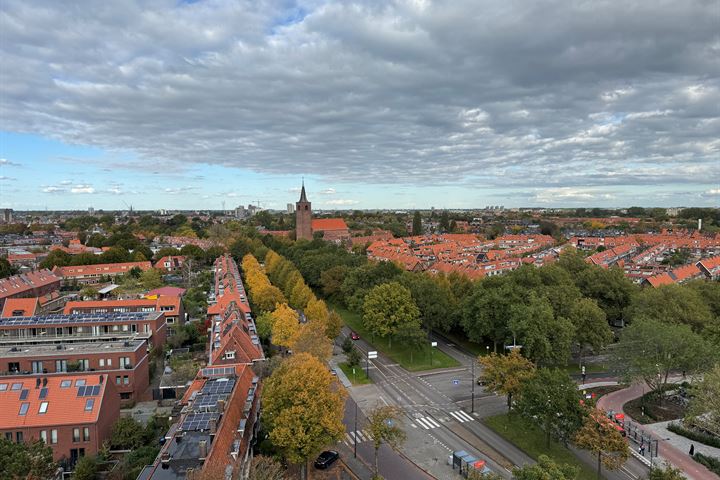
column 303, row 217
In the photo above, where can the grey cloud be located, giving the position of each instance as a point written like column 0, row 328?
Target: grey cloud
column 499, row 94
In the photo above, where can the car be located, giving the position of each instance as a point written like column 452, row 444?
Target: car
column 354, row 336
column 326, row 458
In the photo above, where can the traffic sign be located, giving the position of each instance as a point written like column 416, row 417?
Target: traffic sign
column 433, row 344
column 372, row 354
column 456, row 381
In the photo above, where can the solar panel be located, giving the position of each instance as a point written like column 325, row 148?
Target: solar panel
column 43, row 392
column 24, row 394
column 198, row 421
column 81, row 391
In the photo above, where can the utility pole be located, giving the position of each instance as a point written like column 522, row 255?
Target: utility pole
column 355, row 432
column 472, row 387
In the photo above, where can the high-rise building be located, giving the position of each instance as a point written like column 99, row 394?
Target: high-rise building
column 6, row 215
column 303, row 217
column 290, row 208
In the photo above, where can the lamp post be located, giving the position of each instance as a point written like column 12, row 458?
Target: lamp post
column 355, row 432
column 472, row 387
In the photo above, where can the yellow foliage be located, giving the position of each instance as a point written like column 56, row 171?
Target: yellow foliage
column 312, row 341
column 316, row 311
column 286, row 326
column 301, row 295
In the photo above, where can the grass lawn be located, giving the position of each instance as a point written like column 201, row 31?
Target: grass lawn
column 476, row 348
column 359, row 378
column 531, row 440
column 412, row 359
column 574, row 369
column 649, row 409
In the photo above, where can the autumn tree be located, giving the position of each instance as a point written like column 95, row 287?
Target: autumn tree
column 151, row 279
column 285, row 326
column 383, row 427
column 266, row 297
column 263, row 467
column 300, row 295
column 600, row 436
column 505, row 374
column 550, row 399
column 545, row 469
column 387, row 307
column 667, row 472
column 309, row 340
column 334, row 325
column 303, row 408
column 316, row 311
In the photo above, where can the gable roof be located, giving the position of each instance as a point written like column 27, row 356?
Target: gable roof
column 28, row 307
column 25, row 282
column 325, row 224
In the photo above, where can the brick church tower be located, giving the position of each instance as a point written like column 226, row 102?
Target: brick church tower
column 303, row 217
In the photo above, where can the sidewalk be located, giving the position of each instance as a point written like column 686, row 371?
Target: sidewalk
column 680, row 459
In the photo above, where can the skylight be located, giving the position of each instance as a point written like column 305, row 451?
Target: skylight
column 24, row 408
column 89, row 403
column 65, row 383
column 43, row 407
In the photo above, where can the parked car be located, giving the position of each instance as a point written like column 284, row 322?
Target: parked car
column 326, row 458
column 354, row 336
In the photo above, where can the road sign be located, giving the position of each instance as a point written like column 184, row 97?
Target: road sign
column 433, row 344
column 456, row 381
column 372, row 354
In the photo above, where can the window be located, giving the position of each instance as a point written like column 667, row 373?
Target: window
column 84, row 364
column 124, row 362
column 53, row 436
column 24, row 408
column 109, row 362
column 16, row 386
column 147, row 309
column 43, row 436
column 14, row 366
column 8, row 436
column 117, row 380
column 65, row 383
column 126, row 380
column 80, row 382
column 19, row 437
column 24, row 394
column 125, row 395
column 37, row 367
column 170, row 320
column 3, row 387
column 89, row 404
column 86, row 434
column 61, row 365
column 76, row 435
column 102, row 362
column 43, row 407
column 230, row 355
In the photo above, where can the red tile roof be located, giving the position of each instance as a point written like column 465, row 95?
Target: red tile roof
column 64, row 406
column 25, row 282
column 167, row 292
column 27, row 307
column 325, row 224
column 101, row 269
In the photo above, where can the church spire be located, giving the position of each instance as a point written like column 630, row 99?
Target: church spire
column 303, row 198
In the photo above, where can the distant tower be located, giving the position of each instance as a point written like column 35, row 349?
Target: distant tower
column 303, row 217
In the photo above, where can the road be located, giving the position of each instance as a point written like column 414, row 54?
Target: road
column 440, row 418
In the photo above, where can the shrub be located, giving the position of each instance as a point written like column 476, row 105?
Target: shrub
column 712, row 463
column 702, row 437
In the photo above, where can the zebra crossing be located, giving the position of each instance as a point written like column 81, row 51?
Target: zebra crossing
column 427, row 423
column 360, row 435
column 461, row 416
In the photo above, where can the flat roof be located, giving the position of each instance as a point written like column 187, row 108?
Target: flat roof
column 80, row 347
column 78, row 318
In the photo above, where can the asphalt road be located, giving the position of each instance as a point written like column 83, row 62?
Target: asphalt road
column 438, row 410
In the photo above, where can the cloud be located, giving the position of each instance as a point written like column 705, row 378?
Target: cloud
column 713, row 192
column 5, row 162
column 53, row 189
column 397, row 93
column 66, row 182
column 328, row 191
column 341, row 202
column 179, row 190
column 6, row 178
column 82, row 189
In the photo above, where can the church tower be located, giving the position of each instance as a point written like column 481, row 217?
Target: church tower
column 303, row 217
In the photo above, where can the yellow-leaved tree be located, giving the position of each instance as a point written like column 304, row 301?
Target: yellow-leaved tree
column 285, row 326
column 599, row 434
column 303, row 408
column 309, row 340
column 505, row 374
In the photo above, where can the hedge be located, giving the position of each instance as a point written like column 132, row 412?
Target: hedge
column 702, row 437
column 712, row 463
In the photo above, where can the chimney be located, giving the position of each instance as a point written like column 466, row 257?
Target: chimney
column 101, row 379
column 213, row 426
column 37, row 383
column 202, row 444
column 165, row 459
column 221, row 405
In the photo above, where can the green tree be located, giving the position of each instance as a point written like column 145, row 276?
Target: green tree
column 671, row 304
column 704, row 408
column 432, row 296
column 353, row 357
column 6, row 270
column 668, row 472
column 359, row 281
column 485, row 310
column 86, row 468
column 303, row 408
column 544, row 337
column 151, row 279
column 651, row 349
column 411, row 335
column 545, row 469
column 387, row 307
column 600, row 436
column 334, row 325
column 506, row 374
column 444, row 222
column 127, row 433
column 417, row 223
column 551, row 400
column 264, row 323
column 331, row 281
column 383, row 425
column 26, row 461
column 591, row 326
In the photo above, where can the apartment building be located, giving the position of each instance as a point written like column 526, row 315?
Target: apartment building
column 92, row 274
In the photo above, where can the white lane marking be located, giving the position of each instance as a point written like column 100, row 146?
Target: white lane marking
column 457, row 417
column 349, row 437
column 422, row 423
column 465, row 415
column 432, row 422
column 360, row 436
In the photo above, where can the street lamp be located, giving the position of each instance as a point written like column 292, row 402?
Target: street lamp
column 355, row 432
column 472, row 387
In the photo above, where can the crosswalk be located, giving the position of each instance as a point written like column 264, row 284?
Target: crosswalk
column 461, row 416
column 360, row 435
column 427, row 423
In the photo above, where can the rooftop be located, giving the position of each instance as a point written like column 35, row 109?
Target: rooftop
column 75, row 348
column 80, row 318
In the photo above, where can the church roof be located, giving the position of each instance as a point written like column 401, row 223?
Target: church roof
column 325, row 224
column 303, row 198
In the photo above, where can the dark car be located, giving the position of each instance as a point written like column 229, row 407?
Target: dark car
column 326, row 459
column 354, row 336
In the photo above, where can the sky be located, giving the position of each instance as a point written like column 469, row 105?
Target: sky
column 376, row 104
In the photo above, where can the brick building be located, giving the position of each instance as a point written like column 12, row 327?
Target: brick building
column 92, row 274
column 30, row 284
column 125, row 363
column 73, row 414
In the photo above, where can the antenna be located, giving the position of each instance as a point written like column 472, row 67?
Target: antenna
column 223, row 204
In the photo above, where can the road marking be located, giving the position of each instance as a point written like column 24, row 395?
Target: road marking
column 359, row 433
column 462, row 416
column 427, row 423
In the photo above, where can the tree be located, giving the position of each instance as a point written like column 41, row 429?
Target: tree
column 704, row 408
column 86, row 468
column 267, row 297
column 285, row 326
column 331, row 281
column 347, row 345
column 599, row 435
column 545, row 469
column 591, row 327
column 417, row 223
column 551, row 400
column 411, row 335
column 651, row 349
column 88, row 292
column 387, row 307
column 266, row 468
column 444, row 222
column 667, row 473
column 544, row 337
column 353, row 357
column 26, row 461
column 316, row 312
column 264, row 323
column 127, row 433
column 671, row 304
column 485, row 310
column 151, row 279
column 308, row 340
column 303, row 408
column 6, row 269
column 383, row 428
column 334, row 325
column 432, row 296
column 506, row 374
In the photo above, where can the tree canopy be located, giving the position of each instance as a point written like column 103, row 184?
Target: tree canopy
column 387, row 307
